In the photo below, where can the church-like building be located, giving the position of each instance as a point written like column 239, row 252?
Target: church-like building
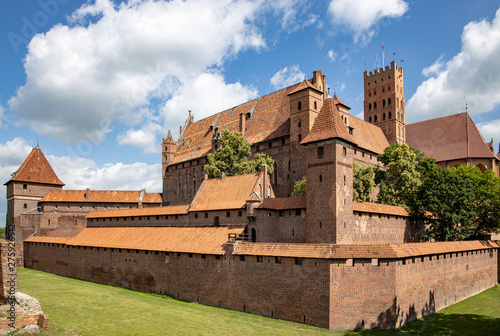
column 241, row 242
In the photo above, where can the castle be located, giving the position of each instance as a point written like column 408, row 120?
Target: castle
column 242, row 243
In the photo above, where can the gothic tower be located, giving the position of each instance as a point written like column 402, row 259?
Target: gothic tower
column 34, row 179
column 169, row 147
column 384, row 101
column 329, row 189
column 306, row 100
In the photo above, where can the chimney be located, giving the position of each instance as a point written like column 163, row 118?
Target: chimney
column 87, row 194
column 141, row 198
column 263, row 171
column 243, row 123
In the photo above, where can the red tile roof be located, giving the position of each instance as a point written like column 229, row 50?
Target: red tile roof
column 231, row 192
column 270, row 118
column 379, row 208
column 205, row 240
column 331, row 251
column 368, row 136
column 153, row 211
column 328, row 125
column 448, row 138
column 284, row 203
column 337, row 100
column 101, row 196
column 36, row 169
column 305, row 84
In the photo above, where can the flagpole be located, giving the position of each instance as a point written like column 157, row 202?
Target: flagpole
column 383, row 55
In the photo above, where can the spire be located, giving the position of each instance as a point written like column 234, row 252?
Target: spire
column 36, row 169
column 169, row 136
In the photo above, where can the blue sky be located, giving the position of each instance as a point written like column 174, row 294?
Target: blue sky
column 99, row 83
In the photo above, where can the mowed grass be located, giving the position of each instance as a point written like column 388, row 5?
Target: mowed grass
column 86, row 308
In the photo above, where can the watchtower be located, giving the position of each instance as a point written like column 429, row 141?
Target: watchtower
column 384, row 103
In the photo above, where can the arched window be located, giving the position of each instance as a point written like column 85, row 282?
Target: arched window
column 375, row 106
column 482, row 167
column 254, row 235
column 389, row 102
column 375, row 118
column 390, row 115
column 370, row 107
column 370, row 119
column 315, row 106
column 299, row 123
column 383, row 103
column 383, row 116
column 300, row 106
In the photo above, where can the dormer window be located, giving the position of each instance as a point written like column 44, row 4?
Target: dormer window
column 351, row 130
column 248, row 115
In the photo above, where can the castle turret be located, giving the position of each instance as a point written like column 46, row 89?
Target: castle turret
column 329, row 157
column 169, row 147
column 306, row 100
column 34, row 179
column 384, row 101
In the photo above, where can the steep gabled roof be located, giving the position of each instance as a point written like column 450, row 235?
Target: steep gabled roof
column 285, row 203
column 305, row 84
column 231, row 192
column 101, row 196
column 269, row 119
column 368, row 136
column 328, row 125
column 337, row 100
column 36, row 169
column 448, row 138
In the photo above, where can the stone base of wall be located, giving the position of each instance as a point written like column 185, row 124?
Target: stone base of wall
column 25, row 315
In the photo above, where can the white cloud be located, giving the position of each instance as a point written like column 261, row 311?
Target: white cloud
column 332, row 55
column 204, row 95
column 360, row 16
column 472, row 75
column 435, row 68
column 144, row 138
column 81, row 173
column 491, row 130
column 114, row 60
column 291, row 10
column 2, row 116
column 12, row 155
column 287, row 76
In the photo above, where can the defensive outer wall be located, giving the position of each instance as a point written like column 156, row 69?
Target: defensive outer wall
column 330, row 286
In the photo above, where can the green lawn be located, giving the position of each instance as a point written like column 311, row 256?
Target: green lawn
column 87, row 308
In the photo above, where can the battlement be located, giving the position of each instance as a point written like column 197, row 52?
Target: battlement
column 392, row 67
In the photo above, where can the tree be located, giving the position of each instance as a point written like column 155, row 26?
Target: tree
column 459, row 203
column 363, row 182
column 402, row 179
column 299, row 188
column 231, row 157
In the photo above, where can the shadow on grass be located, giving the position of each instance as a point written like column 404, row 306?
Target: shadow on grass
column 441, row 324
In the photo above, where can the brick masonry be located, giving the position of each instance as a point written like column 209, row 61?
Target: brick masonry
column 335, row 294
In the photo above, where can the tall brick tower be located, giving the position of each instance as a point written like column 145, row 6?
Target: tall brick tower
column 385, row 103
column 306, row 100
column 329, row 157
column 28, row 185
column 169, row 147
